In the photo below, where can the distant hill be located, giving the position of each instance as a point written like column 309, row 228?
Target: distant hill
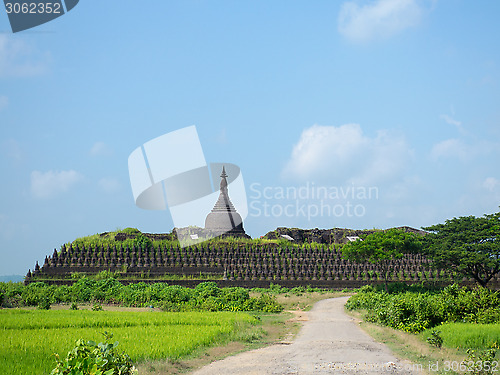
column 13, row 278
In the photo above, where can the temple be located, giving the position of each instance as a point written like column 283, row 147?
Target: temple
column 223, row 219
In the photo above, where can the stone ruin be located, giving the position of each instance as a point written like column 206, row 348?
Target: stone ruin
column 327, row 236
column 306, row 259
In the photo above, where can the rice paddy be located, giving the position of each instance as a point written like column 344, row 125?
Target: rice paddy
column 467, row 335
column 31, row 337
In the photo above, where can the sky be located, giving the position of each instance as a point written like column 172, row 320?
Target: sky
column 350, row 114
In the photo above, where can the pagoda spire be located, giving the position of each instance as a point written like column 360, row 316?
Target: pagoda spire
column 223, row 181
column 223, row 218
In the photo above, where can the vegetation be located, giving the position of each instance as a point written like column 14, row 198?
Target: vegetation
column 91, row 358
column 142, row 335
column 137, row 238
column 206, row 296
column 467, row 245
column 468, row 336
column 151, row 338
column 427, row 358
column 417, row 310
column 143, row 242
column 381, row 248
column 435, row 338
column 203, row 315
column 469, row 325
column 481, row 363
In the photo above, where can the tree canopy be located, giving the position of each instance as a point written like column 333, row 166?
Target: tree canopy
column 381, row 248
column 468, row 245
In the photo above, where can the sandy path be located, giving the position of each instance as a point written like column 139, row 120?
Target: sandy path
column 330, row 342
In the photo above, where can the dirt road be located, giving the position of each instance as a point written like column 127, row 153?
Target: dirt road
column 330, row 342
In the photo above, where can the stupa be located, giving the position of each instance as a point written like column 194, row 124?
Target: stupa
column 223, row 219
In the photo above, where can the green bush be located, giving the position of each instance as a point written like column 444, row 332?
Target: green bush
column 12, row 294
column 134, row 294
column 62, row 294
column 488, row 316
column 153, row 293
column 130, row 231
column 143, row 242
column 207, row 289
column 106, row 290
column 368, row 288
column 266, row 302
column 481, row 363
column 82, row 289
column 36, row 293
column 206, row 296
column 210, row 303
column 414, row 311
column 235, row 294
column 176, row 294
column 44, row 303
column 90, row 358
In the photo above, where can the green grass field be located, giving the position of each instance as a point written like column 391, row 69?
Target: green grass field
column 30, row 337
column 467, row 335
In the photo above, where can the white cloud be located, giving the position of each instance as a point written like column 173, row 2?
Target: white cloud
column 381, row 19
column 100, row 149
column 18, row 59
column 109, row 184
column 48, row 184
column 345, row 154
column 451, row 148
column 450, row 120
column 4, row 102
column 455, row 148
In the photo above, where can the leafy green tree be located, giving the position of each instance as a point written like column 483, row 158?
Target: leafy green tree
column 381, row 248
column 468, row 245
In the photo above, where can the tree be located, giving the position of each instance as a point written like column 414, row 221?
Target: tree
column 468, row 245
column 381, row 248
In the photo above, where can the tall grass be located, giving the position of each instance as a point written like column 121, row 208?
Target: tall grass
column 30, row 338
column 467, row 335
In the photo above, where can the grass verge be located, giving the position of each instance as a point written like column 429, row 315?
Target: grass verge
column 467, row 335
column 411, row 347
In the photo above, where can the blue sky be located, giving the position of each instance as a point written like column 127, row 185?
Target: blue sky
column 400, row 96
